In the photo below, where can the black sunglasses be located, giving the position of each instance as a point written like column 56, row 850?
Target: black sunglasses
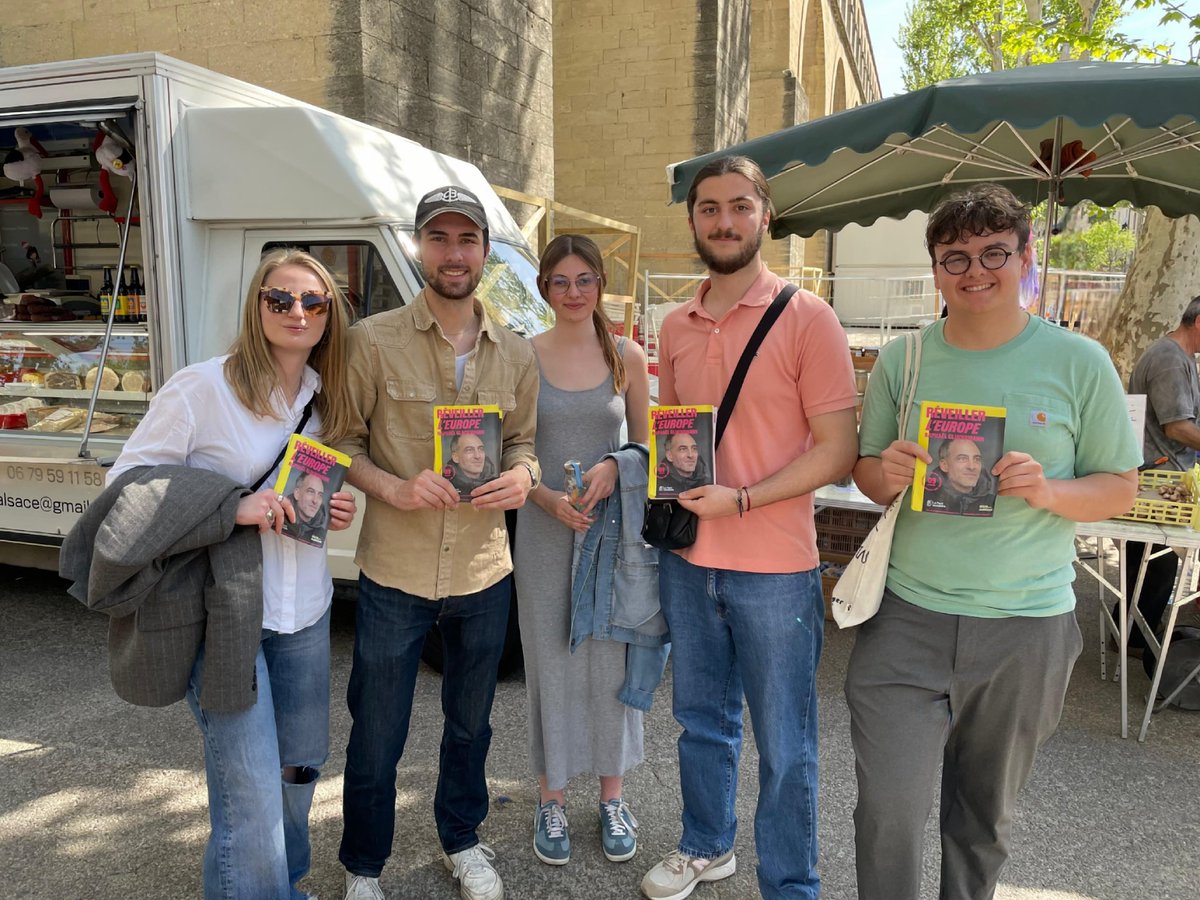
column 281, row 300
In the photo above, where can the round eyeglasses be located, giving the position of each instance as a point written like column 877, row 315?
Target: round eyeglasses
column 959, row 263
column 560, row 284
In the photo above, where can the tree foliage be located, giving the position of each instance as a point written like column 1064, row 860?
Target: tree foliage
column 945, row 38
column 1105, row 245
column 948, row 38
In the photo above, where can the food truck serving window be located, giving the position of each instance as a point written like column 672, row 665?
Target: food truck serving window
column 47, row 375
column 61, row 234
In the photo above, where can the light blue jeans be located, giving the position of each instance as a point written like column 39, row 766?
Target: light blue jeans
column 258, row 848
column 736, row 634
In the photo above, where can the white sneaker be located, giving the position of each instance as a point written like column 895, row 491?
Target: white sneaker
column 677, row 875
column 472, row 868
column 362, row 887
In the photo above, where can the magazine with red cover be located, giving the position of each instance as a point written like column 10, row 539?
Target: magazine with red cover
column 309, row 476
column 965, row 441
column 681, row 450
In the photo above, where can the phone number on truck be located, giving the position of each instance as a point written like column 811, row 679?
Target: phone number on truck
column 46, row 498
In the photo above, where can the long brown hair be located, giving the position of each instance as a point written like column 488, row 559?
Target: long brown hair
column 250, row 369
column 586, row 249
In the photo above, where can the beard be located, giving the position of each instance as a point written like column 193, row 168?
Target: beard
column 444, row 288
column 727, row 265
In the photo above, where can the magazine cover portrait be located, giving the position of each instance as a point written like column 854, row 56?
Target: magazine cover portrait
column 965, row 442
column 681, row 449
column 310, row 475
column 468, row 447
column 310, row 498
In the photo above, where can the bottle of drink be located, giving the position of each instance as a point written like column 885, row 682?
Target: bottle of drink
column 123, row 298
column 106, row 294
column 137, row 295
column 575, row 487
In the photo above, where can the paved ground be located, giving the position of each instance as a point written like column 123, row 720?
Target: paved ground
column 101, row 800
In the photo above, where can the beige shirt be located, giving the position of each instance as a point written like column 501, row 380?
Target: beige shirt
column 400, row 367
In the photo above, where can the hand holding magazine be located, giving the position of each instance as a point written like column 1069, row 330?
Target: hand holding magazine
column 309, row 476
column 467, row 441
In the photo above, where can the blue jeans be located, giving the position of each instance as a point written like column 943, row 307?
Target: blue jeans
column 757, row 635
column 390, row 629
column 262, row 765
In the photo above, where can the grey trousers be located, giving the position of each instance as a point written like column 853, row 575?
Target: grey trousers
column 978, row 695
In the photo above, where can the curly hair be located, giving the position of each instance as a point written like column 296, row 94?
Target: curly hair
column 981, row 209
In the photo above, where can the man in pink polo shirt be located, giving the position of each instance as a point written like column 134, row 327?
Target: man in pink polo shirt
column 744, row 602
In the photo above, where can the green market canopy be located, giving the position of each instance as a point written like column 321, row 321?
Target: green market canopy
column 1067, row 131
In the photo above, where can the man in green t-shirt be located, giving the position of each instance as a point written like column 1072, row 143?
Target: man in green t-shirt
column 967, row 662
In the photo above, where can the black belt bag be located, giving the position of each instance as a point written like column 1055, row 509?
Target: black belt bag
column 666, row 524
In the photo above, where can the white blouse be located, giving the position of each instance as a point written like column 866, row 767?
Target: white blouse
column 195, row 419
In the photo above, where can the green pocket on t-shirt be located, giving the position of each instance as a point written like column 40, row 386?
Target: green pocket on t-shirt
column 1043, row 427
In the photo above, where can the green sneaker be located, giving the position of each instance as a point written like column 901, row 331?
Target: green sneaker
column 618, row 830
column 551, row 842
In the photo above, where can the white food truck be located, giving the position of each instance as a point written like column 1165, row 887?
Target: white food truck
column 204, row 174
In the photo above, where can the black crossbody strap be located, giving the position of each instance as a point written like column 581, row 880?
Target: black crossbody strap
column 739, row 374
column 282, row 450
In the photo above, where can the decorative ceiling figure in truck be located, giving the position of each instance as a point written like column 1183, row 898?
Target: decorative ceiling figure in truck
column 113, row 157
column 24, row 163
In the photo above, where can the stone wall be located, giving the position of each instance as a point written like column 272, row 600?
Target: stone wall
column 472, row 78
column 640, row 84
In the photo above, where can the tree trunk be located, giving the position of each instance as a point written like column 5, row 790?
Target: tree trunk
column 1165, row 275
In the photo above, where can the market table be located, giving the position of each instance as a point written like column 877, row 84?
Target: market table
column 1119, row 532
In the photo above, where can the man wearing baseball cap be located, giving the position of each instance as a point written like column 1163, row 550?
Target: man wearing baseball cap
column 426, row 557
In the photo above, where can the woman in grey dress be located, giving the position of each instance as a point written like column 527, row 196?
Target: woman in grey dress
column 590, row 385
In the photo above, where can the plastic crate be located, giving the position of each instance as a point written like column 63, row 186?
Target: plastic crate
column 846, row 519
column 1165, row 512
column 843, row 542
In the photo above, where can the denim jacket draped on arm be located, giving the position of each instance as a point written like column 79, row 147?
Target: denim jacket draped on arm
column 614, row 581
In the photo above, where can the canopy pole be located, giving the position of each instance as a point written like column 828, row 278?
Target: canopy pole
column 1052, row 211
column 84, row 452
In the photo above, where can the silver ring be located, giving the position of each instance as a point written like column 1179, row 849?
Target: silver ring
column 270, row 516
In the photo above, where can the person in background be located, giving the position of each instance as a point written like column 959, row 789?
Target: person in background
column 590, row 385
column 232, row 414
column 1166, row 374
column 744, row 603
column 966, row 663
column 425, row 558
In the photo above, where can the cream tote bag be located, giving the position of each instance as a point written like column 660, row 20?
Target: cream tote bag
column 857, row 594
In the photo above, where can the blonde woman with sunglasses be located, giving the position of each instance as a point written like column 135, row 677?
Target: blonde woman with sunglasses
column 232, row 414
